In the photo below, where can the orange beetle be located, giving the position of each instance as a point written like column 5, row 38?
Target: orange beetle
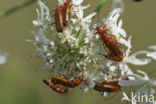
column 59, row 19
column 110, row 85
column 107, row 86
column 66, row 12
column 114, row 53
column 67, row 83
column 54, row 83
column 55, row 87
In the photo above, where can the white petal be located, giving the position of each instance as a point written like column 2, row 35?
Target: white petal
column 115, row 18
column 115, row 11
column 122, row 32
column 120, row 23
column 129, row 46
column 80, row 12
column 77, row 2
column 43, row 14
column 130, row 82
column 143, row 73
column 113, row 68
column 135, row 61
column 73, row 20
column 152, row 55
column 111, row 23
column 124, row 42
column 86, row 6
column 35, row 23
column 125, row 69
column 89, row 17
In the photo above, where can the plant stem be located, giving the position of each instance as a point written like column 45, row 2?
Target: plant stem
column 16, row 8
column 100, row 6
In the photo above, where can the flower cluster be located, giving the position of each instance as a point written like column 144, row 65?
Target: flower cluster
column 72, row 47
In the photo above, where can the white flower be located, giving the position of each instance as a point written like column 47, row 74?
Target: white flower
column 68, row 37
column 81, row 20
column 3, row 57
column 112, row 25
column 43, row 15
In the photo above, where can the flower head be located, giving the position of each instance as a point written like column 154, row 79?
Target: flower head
column 76, row 50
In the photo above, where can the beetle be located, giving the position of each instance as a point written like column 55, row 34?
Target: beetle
column 55, row 87
column 110, row 85
column 66, row 11
column 59, row 19
column 67, row 83
column 109, row 40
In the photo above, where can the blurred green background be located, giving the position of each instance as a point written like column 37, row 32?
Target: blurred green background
column 21, row 77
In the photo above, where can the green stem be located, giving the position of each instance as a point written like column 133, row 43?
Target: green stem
column 16, row 8
column 100, row 6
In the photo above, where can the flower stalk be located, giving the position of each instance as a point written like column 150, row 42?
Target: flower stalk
column 16, row 8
